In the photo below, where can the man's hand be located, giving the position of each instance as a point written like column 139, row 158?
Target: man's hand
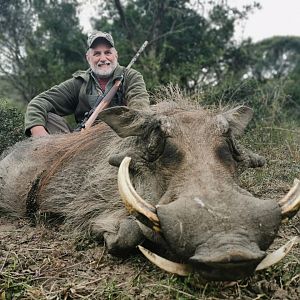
column 38, row 131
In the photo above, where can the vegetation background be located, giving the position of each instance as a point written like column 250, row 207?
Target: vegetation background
column 191, row 46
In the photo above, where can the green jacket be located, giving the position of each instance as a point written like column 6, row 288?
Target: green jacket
column 78, row 95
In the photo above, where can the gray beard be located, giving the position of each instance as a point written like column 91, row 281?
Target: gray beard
column 101, row 74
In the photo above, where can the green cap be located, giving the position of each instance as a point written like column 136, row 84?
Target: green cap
column 99, row 34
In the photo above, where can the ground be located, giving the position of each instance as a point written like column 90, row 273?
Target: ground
column 45, row 263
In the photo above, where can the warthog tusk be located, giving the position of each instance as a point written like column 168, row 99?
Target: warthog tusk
column 133, row 202
column 290, row 203
column 166, row 265
column 276, row 256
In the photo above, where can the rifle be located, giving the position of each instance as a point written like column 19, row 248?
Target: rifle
column 103, row 102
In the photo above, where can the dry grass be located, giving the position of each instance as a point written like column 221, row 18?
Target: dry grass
column 45, row 263
column 40, row 263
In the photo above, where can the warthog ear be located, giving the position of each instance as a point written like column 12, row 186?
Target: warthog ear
column 235, row 119
column 128, row 122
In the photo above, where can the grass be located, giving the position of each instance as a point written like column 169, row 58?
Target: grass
column 42, row 263
column 39, row 263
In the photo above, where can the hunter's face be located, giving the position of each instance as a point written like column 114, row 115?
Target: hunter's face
column 103, row 59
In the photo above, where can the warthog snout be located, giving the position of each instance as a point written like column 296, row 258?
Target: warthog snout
column 228, row 248
column 233, row 257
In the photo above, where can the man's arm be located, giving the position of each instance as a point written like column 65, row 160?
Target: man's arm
column 136, row 94
column 61, row 99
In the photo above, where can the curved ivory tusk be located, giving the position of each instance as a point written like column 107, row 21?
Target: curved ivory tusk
column 276, row 256
column 167, row 265
column 133, row 202
column 290, row 203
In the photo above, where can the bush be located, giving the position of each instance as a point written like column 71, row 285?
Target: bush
column 12, row 125
column 270, row 101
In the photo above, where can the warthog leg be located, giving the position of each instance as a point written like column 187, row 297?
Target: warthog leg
column 126, row 239
column 244, row 156
column 290, row 203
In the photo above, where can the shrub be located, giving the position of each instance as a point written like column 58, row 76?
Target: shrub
column 12, row 125
column 270, row 101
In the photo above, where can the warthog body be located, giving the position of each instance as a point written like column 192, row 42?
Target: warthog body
column 183, row 160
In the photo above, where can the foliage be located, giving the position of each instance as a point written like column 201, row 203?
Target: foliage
column 276, row 57
column 41, row 43
column 269, row 100
column 16, row 22
column 8, row 91
column 272, row 60
column 11, row 128
column 189, row 45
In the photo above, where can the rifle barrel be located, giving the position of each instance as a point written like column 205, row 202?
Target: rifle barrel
column 137, row 55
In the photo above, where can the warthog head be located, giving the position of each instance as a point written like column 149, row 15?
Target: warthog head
column 178, row 174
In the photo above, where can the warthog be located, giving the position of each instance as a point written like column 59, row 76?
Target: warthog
column 177, row 177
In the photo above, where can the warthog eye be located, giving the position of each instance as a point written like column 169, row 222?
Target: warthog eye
column 154, row 143
column 172, row 154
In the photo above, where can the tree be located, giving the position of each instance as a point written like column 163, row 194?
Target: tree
column 187, row 45
column 16, row 23
column 42, row 44
column 276, row 57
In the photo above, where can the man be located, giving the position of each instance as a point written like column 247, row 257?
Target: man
column 79, row 94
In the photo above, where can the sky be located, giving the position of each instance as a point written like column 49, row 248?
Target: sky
column 276, row 17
